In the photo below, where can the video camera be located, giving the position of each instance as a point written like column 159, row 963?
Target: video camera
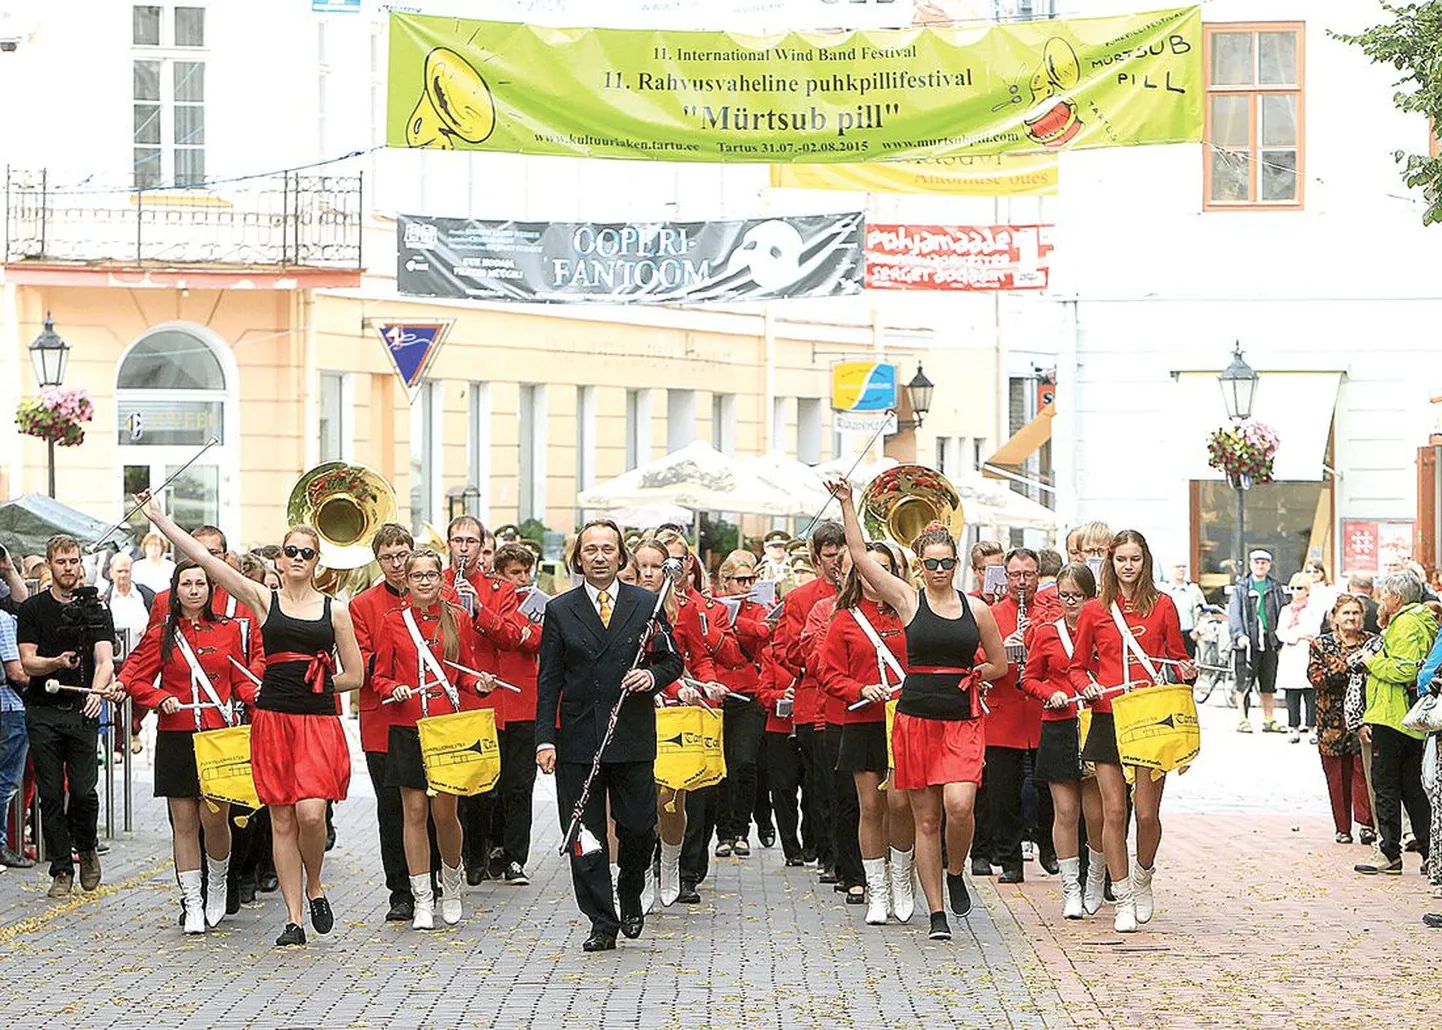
column 86, row 615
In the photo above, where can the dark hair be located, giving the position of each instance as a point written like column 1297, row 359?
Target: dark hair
column 979, row 550
column 172, row 617
column 1024, row 553
column 1048, row 562
column 850, row 593
column 1145, row 598
column 514, row 554
column 827, row 534
column 60, row 543
column 389, row 534
column 573, row 562
column 933, row 535
column 211, row 531
column 1079, row 573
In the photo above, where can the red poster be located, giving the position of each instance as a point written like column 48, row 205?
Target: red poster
column 1371, row 546
column 958, row 257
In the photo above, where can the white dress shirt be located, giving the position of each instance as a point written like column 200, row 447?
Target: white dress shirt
column 594, row 593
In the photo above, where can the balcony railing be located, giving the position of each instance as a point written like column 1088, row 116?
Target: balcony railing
column 281, row 220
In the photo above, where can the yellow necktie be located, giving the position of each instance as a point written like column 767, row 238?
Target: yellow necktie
column 603, row 601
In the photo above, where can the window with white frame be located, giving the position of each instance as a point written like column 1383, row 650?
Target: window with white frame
column 336, row 430
column 585, row 437
column 778, row 425
column 638, row 427
column 531, row 475
column 723, row 422
column 478, row 440
column 680, row 419
column 168, row 95
column 943, row 465
column 425, row 454
column 808, row 430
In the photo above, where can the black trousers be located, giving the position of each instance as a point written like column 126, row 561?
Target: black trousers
column 783, row 771
column 250, row 848
column 1255, row 667
column 816, row 793
column 982, row 844
column 1005, row 770
column 631, row 788
column 703, row 807
column 845, row 815
column 518, row 784
column 1397, row 781
column 392, row 828
column 761, row 806
column 475, row 812
column 743, row 727
column 62, row 747
column 1299, row 703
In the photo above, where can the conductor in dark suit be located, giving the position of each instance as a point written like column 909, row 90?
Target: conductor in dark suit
column 591, row 636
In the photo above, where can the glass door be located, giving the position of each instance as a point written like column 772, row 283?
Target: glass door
column 194, row 499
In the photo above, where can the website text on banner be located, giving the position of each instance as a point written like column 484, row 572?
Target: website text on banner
column 958, row 257
column 655, row 262
column 722, row 15
column 982, row 175
column 884, row 95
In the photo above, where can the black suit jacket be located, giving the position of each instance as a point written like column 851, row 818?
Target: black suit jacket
column 581, row 666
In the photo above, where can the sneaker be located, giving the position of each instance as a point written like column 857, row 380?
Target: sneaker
column 1392, row 867
column 1294, row 737
column 1245, row 725
column 516, row 876
column 292, row 934
column 321, row 916
column 956, row 891
column 1343, row 838
column 11, row 860
column 1367, row 836
column 940, row 930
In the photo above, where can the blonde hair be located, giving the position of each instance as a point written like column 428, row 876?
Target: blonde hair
column 450, row 629
column 735, row 562
column 659, row 548
column 306, row 531
column 1300, row 579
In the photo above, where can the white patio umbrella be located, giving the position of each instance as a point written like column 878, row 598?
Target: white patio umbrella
column 989, row 503
column 804, row 481
column 697, row 477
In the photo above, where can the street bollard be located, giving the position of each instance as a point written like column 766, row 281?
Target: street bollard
column 129, row 757
column 40, row 853
column 108, row 744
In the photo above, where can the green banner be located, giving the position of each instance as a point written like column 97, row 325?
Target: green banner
column 883, row 95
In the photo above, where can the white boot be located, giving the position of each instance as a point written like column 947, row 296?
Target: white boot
column 1071, row 888
column 1095, row 892
column 903, row 887
column 215, row 893
column 670, row 873
column 648, row 892
column 878, row 898
column 453, row 881
column 1126, row 919
column 425, row 903
column 190, row 896
column 1142, row 891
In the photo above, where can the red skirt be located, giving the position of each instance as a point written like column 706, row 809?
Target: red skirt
column 295, row 757
column 930, row 752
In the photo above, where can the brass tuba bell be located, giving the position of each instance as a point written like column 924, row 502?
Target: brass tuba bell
column 901, row 502
column 346, row 504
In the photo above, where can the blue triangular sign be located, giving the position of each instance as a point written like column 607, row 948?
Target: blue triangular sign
column 412, row 346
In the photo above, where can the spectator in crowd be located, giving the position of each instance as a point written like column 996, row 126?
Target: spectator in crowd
column 1407, row 639
column 14, row 742
column 1427, row 681
column 1253, row 614
column 155, row 569
column 1333, row 659
column 1324, row 594
column 1299, row 625
column 129, row 601
column 1189, row 599
column 252, row 566
column 12, row 583
column 1361, row 584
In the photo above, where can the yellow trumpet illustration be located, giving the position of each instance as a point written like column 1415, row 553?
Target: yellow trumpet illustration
column 1053, row 120
column 455, row 104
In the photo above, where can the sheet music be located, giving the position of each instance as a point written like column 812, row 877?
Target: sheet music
column 533, row 606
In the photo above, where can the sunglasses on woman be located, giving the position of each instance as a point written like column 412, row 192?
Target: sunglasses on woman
column 932, row 564
column 304, row 553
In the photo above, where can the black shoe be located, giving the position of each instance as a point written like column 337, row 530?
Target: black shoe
column 1048, row 862
column 741, row 848
column 808, row 855
column 475, row 874
column 516, row 876
column 723, row 849
column 1367, row 836
column 321, row 917
column 795, row 860
column 632, row 925
column 496, row 867
column 232, row 899
column 956, row 890
column 828, row 875
column 856, row 895
column 688, row 895
column 401, row 911
column 247, row 894
column 1015, row 875
column 940, row 930
column 980, row 867
column 839, row 887
column 1433, row 920
column 599, row 941
column 292, row 934
column 329, row 837
column 1392, row 868
column 768, row 838
column 268, row 883
column 1412, row 845
column 11, row 860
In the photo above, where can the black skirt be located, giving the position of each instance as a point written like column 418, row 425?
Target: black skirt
column 1058, row 756
column 404, row 767
column 175, row 775
column 1101, row 745
column 863, row 748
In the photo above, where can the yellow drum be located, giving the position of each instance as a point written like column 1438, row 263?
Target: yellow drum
column 222, row 762
column 1157, row 727
column 689, row 752
column 461, row 752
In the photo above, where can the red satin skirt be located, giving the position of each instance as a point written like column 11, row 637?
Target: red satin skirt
column 929, row 752
column 295, row 757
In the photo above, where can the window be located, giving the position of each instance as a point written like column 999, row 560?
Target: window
column 585, row 437
column 171, row 359
column 1254, row 115
column 168, row 97
column 478, row 438
column 723, row 422
column 335, row 428
column 680, row 419
column 808, row 430
column 531, row 485
column 425, row 449
column 778, row 425
column 638, row 427
column 943, row 465
column 1281, row 517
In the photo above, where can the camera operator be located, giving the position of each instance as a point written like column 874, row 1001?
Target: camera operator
column 66, row 635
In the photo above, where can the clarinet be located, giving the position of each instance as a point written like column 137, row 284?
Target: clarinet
column 467, row 598
column 1016, row 653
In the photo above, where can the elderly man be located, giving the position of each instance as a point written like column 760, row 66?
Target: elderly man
column 129, row 601
column 1253, row 615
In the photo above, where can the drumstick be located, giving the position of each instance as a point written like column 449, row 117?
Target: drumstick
column 248, row 674
column 430, row 692
column 499, row 682
column 55, row 687
column 1081, row 697
column 867, row 701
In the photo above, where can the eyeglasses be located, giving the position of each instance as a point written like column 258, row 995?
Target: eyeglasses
column 423, row 577
column 932, row 564
column 292, row 551
column 394, row 559
column 466, row 540
column 1067, row 595
column 743, row 580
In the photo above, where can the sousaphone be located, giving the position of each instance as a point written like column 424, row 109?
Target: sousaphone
column 901, row 502
column 346, row 503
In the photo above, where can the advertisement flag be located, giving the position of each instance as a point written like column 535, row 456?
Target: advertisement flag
column 958, row 257
column 611, row 262
column 721, row 15
column 867, row 386
column 882, row 95
column 989, row 175
column 412, row 346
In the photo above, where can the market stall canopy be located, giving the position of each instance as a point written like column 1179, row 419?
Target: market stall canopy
column 648, row 516
column 1298, row 405
column 697, row 477
column 27, row 522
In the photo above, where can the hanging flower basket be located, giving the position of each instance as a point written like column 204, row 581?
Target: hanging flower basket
column 1243, row 453
column 56, row 415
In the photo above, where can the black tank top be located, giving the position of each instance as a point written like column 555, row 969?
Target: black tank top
column 935, row 642
column 284, row 688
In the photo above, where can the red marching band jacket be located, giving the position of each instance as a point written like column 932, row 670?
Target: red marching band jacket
column 500, row 627
column 367, row 610
column 753, row 636
column 704, row 637
column 150, row 679
column 1047, row 671
column 519, row 667
column 398, row 663
column 793, row 653
column 1100, row 647
column 849, row 662
column 771, row 686
column 1015, row 717
column 223, row 604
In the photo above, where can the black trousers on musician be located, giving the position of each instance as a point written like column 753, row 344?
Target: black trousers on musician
column 631, row 788
column 783, row 773
column 63, row 750
column 392, row 828
column 816, row 793
column 845, row 815
column 475, row 812
column 1005, row 775
column 744, row 724
column 518, row 784
column 761, row 806
column 703, row 807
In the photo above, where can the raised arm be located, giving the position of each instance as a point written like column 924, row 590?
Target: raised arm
column 896, row 592
column 221, row 574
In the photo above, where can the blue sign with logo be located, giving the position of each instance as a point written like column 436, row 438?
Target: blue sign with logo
column 412, row 347
column 335, row 6
column 863, row 386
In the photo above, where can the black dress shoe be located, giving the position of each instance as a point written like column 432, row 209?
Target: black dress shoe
column 768, row 838
column 689, row 895
column 1015, row 875
column 475, row 874
column 1048, row 861
column 599, row 941
column 292, row 934
column 956, row 889
column 268, row 883
column 401, row 911
column 232, row 899
column 828, row 876
column 808, row 855
column 632, row 925
column 980, row 867
column 329, row 838
column 1432, row 919
column 321, row 917
column 795, row 860
column 247, row 894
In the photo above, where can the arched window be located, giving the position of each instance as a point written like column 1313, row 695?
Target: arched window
column 171, row 359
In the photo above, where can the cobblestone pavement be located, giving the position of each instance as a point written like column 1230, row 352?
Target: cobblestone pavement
column 768, row 947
